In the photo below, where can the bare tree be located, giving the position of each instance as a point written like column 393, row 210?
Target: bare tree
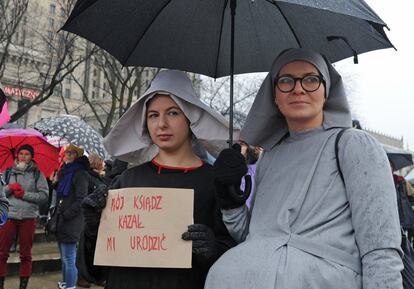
column 121, row 84
column 44, row 58
column 216, row 94
column 11, row 15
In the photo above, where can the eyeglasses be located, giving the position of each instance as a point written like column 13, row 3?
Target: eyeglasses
column 309, row 83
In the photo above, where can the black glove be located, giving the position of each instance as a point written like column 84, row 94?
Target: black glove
column 204, row 243
column 92, row 206
column 229, row 168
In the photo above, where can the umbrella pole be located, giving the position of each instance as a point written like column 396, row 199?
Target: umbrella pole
column 233, row 5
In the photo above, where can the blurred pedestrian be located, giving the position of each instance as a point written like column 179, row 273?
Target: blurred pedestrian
column 251, row 156
column 26, row 188
column 73, row 181
column 325, row 212
column 96, row 180
column 4, row 204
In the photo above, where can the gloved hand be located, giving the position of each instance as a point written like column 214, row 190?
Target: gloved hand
column 15, row 187
column 229, row 168
column 18, row 193
column 92, row 207
column 204, row 245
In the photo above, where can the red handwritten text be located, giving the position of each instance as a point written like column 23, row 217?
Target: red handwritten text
column 129, row 222
column 148, row 243
column 149, row 204
column 117, row 203
column 110, row 244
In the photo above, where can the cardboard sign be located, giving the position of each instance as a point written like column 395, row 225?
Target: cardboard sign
column 142, row 227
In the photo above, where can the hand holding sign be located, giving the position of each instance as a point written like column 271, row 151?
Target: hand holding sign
column 204, row 242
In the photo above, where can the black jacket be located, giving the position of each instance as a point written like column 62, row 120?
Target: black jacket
column 206, row 212
column 70, row 220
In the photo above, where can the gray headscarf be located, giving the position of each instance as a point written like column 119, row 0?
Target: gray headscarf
column 129, row 139
column 265, row 125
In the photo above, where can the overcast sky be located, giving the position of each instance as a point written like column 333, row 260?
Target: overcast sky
column 382, row 86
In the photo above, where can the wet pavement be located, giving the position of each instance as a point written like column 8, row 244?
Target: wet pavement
column 39, row 281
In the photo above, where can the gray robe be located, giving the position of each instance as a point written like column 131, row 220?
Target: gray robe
column 307, row 229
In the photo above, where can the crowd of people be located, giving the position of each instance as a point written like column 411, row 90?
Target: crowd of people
column 319, row 209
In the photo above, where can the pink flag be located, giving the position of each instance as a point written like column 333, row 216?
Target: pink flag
column 4, row 111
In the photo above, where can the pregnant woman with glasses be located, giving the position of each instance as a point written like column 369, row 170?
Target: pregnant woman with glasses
column 324, row 213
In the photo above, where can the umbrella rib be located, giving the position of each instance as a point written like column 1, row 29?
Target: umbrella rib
column 145, row 31
column 219, row 41
column 286, row 20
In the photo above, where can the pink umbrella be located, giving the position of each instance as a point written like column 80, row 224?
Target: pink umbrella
column 45, row 155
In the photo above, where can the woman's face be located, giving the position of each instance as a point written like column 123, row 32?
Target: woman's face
column 24, row 156
column 302, row 109
column 70, row 156
column 167, row 125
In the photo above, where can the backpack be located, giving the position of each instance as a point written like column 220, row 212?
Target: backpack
column 7, row 175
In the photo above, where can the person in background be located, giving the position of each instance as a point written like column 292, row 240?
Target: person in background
column 251, row 157
column 72, row 187
column 26, row 188
column 4, row 204
column 96, row 179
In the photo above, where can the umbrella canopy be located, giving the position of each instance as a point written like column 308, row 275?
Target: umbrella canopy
column 218, row 38
column 399, row 158
column 73, row 130
column 45, row 155
column 195, row 35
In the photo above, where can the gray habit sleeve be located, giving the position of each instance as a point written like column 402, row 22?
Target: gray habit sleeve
column 371, row 193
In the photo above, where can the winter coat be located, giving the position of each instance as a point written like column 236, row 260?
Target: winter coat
column 4, row 205
column 96, row 180
column 35, row 192
column 308, row 229
column 82, row 261
column 205, row 212
column 70, row 219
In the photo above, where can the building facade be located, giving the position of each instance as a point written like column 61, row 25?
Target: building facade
column 38, row 54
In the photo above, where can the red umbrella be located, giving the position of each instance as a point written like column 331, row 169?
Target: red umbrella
column 45, row 155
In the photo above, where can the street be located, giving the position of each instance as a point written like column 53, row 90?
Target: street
column 39, row 281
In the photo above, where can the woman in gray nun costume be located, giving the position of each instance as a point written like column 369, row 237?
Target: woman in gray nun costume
column 170, row 116
column 308, row 228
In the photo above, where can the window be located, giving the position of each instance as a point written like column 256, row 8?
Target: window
column 94, row 83
column 68, row 79
column 95, row 72
column 93, row 94
column 67, row 93
column 52, row 8
column 51, row 22
column 22, row 40
column 16, row 37
column 50, row 35
column 62, row 12
column 57, row 90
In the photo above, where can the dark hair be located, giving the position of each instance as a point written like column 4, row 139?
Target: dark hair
column 251, row 156
column 26, row 147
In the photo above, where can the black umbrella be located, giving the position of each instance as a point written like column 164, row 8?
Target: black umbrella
column 73, row 130
column 399, row 158
column 206, row 36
